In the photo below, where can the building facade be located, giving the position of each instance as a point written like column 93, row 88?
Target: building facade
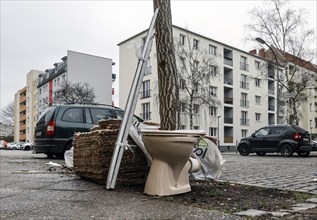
column 243, row 83
column 77, row 67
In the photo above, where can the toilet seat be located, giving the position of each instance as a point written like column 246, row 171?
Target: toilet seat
column 193, row 133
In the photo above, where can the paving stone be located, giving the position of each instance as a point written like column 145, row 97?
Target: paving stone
column 251, row 212
column 303, row 206
column 314, row 200
column 279, row 214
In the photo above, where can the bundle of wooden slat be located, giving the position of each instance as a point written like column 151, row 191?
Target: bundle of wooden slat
column 93, row 152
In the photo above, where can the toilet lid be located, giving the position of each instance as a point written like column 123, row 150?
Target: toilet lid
column 174, row 132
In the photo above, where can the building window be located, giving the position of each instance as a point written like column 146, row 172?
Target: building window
column 196, row 87
column 182, row 39
column 146, row 89
column 243, row 63
column 258, row 100
column 212, row 110
column 244, row 100
column 146, row 112
column 257, row 64
column 257, row 82
column 244, row 133
column 244, row 118
column 243, row 83
column 195, row 44
column 212, row 49
column 213, row 131
column 63, row 78
column 196, row 64
column 183, row 127
column 182, row 63
column 182, row 84
column 212, row 70
column 196, row 109
column 212, row 91
column 183, row 107
column 258, row 117
column 196, row 127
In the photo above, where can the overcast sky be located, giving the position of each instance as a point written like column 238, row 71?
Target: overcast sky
column 36, row 34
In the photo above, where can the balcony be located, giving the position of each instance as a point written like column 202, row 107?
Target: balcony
column 228, row 139
column 145, row 94
column 271, row 91
column 244, row 66
column 228, row 81
column 244, row 103
column 271, row 108
column 228, row 61
column 228, row 100
column 244, row 121
column 228, row 120
column 244, row 85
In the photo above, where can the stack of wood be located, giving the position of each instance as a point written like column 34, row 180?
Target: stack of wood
column 93, row 153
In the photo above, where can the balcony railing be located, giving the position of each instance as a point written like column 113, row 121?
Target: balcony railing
column 148, row 70
column 271, row 91
column 244, row 66
column 271, row 107
column 146, row 116
column 228, row 61
column 228, row 80
column 244, row 85
column 244, row 121
column 228, row 139
column 228, row 120
column 228, row 100
column 244, row 103
column 145, row 94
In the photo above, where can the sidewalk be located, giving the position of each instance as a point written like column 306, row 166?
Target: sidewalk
column 29, row 191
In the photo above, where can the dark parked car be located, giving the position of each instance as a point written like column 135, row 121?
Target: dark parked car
column 314, row 145
column 285, row 139
column 56, row 126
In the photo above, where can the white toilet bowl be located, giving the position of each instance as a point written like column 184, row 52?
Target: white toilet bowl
column 170, row 152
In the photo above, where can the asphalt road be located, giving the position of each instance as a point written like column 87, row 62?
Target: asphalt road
column 28, row 190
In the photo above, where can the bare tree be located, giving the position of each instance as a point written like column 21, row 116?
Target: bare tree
column 284, row 31
column 196, row 69
column 166, row 62
column 75, row 93
column 7, row 115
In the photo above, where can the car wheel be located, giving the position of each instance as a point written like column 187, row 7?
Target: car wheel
column 14, row 148
column 260, row 153
column 27, row 148
column 286, row 150
column 243, row 150
column 303, row 154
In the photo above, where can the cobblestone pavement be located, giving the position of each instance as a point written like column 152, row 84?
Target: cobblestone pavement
column 273, row 170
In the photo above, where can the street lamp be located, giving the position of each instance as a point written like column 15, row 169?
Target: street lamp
column 218, row 141
column 261, row 41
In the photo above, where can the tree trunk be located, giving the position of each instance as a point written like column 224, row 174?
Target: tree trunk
column 166, row 63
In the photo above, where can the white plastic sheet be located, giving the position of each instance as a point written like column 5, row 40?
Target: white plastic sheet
column 211, row 160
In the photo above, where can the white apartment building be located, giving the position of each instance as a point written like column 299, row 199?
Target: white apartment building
column 246, row 95
column 77, row 67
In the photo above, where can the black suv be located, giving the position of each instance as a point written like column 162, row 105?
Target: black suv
column 56, row 126
column 285, row 139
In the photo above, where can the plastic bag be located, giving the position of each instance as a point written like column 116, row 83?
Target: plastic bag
column 68, row 155
column 210, row 158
